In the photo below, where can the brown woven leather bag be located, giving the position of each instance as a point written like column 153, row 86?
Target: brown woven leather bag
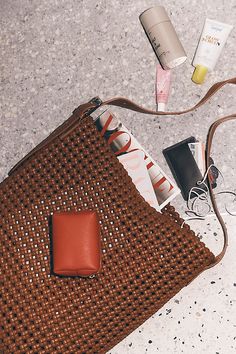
column 147, row 257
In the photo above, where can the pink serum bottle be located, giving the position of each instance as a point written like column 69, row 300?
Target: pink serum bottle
column 163, row 78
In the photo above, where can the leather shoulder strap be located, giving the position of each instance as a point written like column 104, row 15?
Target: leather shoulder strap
column 128, row 104
column 89, row 107
column 210, row 136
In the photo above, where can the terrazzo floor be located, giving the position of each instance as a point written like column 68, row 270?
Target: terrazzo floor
column 55, row 55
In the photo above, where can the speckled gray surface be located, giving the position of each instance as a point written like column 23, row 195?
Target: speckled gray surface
column 58, row 54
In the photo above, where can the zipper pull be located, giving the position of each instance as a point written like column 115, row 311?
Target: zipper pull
column 86, row 109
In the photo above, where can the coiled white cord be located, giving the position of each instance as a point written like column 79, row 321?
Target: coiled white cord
column 199, row 207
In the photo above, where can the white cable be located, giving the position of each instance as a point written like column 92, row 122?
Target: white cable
column 203, row 199
column 232, row 213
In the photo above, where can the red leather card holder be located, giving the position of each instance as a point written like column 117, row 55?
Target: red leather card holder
column 76, row 243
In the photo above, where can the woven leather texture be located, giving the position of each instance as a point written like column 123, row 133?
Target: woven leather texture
column 146, row 256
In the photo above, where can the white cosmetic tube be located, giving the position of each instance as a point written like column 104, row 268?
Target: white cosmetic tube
column 211, row 43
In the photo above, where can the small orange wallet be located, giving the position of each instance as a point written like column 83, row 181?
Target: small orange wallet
column 76, row 243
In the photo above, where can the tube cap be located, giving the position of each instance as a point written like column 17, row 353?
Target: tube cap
column 153, row 16
column 161, row 107
column 199, row 74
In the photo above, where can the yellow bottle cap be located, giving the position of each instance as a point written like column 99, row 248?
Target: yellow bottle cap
column 199, row 74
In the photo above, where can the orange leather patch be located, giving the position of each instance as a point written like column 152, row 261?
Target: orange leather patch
column 76, row 243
